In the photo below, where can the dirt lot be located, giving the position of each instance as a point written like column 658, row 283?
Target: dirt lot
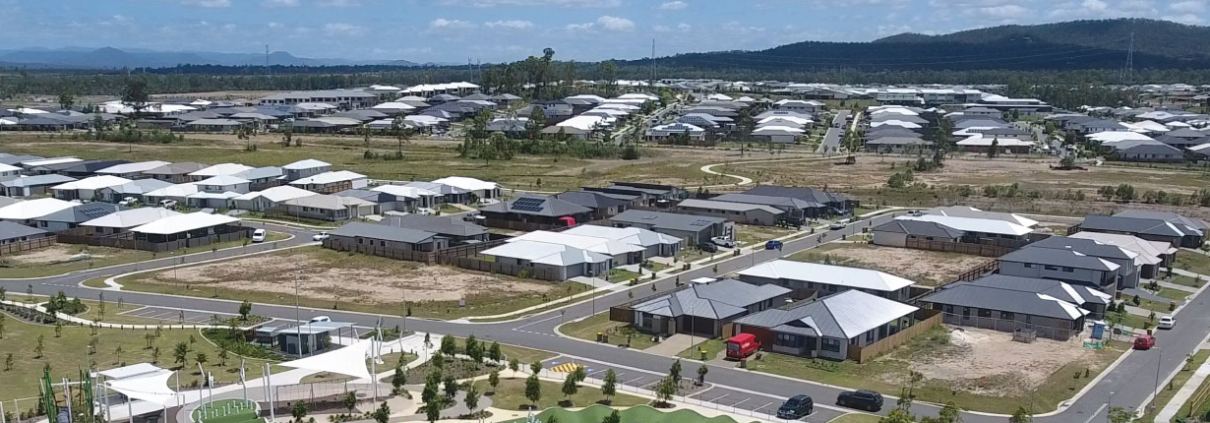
column 925, row 267
column 54, row 254
column 990, row 363
column 325, row 277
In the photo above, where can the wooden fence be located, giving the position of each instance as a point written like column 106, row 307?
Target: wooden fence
column 984, row 250
column 426, row 257
column 126, row 240
column 472, row 263
column 926, row 319
column 978, row 271
column 28, row 245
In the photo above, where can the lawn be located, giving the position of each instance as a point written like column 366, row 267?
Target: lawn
column 66, row 258
column 226, row 411
column 588, row 329
column 525, row 355
column 1193, row 262
column 510, row 395
column 1166, row 394
column 385, row 285
column 1187, row 281
column 638, row 414
column 877, row 375
column 114, row 348
column 747, row 235
column 932, row 268
column 856, row 418
column 712, row 346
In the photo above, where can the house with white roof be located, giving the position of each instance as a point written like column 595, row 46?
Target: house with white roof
column 305, row 168
column 131, row 170
column 655, row 244
column 549, row 261
column 485, row 190
column 409, row 198
column 134, row 189
column 188, row 230
column 671, row 132
column 980, row 143
column 328, row 207
column 221, row 169
column 621, row 253
column 225, row 183
column 125, row 220
column 9, row 172
column 703, row 308
column 332, row 182
column 978, row 227
column 807, row 279
column 269, row 199
column 86, row 189
column 25, row 186
column 178, row 193
column 27, row 212
column 1152, row 255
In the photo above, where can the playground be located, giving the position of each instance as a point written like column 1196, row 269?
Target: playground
column 227, row 411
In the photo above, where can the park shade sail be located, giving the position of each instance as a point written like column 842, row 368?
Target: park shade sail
column 153, row 388
column 348, row 361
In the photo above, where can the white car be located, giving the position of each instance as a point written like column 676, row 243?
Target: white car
column 258, row 235
column 1166, row 322
column 837, row 226
column 723, row 242
column 318, row 319
column 319, row 236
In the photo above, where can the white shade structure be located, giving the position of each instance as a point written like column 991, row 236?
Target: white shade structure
column 152, row 388
column 348, row 361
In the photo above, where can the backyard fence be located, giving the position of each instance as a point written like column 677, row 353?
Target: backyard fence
column 27, row 245
column 926, row 319
column 471, row 263
column 126, row 240
column 1011, row 326
column 985, row 250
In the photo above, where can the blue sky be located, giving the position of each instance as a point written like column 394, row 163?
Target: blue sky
column 505, row 30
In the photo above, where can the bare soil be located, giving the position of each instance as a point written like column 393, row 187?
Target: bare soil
column 52, row 254
column 991, row 363
column 924, row 267
column 327, row 280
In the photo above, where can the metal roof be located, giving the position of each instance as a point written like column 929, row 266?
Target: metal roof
column 716, row 300
column 437, row 224
column 727, row 206
column 919, row 228
column 844, row 315
column 1005, row 299
column 827, row 274
column 1058, row 257
column 671, row 221
column 383, row 232
column 10, row 230
column 1137, row 225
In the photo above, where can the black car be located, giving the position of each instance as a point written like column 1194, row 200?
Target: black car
column 796, row 407
column 708, row 247
column 861, row 399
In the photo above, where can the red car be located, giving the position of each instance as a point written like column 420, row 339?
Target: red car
column 1144, row 342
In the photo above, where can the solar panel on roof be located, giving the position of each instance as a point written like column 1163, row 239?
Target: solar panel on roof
column 528, row 204
column 94, row 212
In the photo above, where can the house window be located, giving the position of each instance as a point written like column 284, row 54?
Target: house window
column 1004, row 315
column 1029, row 265
column 1049, row 267
column 788, row 340
column 869, row 336
column 1068, row 269
column 983, row 312
column 949, row 309
column 829, row 344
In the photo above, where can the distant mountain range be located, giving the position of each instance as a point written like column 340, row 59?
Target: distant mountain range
column 1076, row 45
column 113, row 58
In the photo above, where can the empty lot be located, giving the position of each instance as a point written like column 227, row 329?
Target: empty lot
column 930, row 268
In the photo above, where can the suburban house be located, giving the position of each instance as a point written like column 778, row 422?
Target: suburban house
column 795, row 209
column 9, row 172
column 1063, row 265
column 1177, row 219
column 134, row 189
column 548, row 261
column 176, row 173
column 654, row 244
column 1128, row 261
column 1151, row 229
column 621, row 253
column 671, row 133
column 367, row 237
column 132, row 170
column 73, row 216
column 125, row 220
column 1052, row 309
column 899, row 232
column 26, row 186
column 45, row 166
column 27, row 212
column 835, row 327
column 971, row 212
column 747, row 213
column 269, row 199
column 1000, row 232
column 457, row 231
column 332, row 182
column 603, row 205
column 703, row 309
column 221, row 169
column 262, row 177
column 305, row 168
column 1151, row 254
column 535, row 209
column 652, row 195
column 86, row 189
column 836, row 203
column 693, row 229
column 185, row 227
column 812, row 279
column 451, row 194
column 12, row 233
column 224, row 183
column 327, row 207
column 1146, row 151
column 178, row 193
column 406, row 198
column 483, row 190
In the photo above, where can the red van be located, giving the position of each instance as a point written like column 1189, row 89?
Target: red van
column 742, row 345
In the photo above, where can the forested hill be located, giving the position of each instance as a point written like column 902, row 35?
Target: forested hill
column 1078, row 45
column 1162, row 38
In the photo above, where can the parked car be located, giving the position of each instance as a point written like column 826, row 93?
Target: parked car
column 708, row 247
column 320, row 236
column 128, row 201
column 1144, row 342
column 837, row 225
column 796, row 407
column 773, row 245
column 860, row 399
column 168, row 204
column 1166, row 322
column 320, row 319
column 741, row 346
column 258, row 235
column 723, row 241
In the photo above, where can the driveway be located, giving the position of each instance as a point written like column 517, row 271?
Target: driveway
column 673, row 345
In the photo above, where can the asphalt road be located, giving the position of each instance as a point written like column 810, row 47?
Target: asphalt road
column 1132, row 382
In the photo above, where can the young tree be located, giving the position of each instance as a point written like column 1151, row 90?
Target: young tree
column 1021, row 416
column 898, row 415
column 674, row 373
column 2, row 319
column 449, row 345
column 451, row 386
column 350, row 401
column 994, row 150
column 948, row 414
column 432, row 412
column 570, row 387
column 399, row 379
column 38, row 348
column 493, row 379
column 8, row 362
column 535, row 367
column 298, row 411
column 201, row 358
column 155, row 354
column 470, row 346
column 245, row 308
column 701, row 374
column 476, row 353
column 471, row 399
column 533, row 390
column 222, row 356
column 181, row 354
column 383, row 413
column 610, row 386
column 494, row 353
column 665, row 390
column 613, row 417
column 515, row 365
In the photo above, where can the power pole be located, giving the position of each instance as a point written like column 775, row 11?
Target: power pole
column 268, row 70
column 651, row 84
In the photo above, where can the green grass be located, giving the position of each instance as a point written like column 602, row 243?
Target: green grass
column 69, row 353
column 748, row 235
column 638, row 414
column 712, row 346
column 526, row 355
column 587, row 329
column 856, row 418
column 1186, row 281
column 1193, row 262
column 14, row 267
column 1168, row 391
column 620, row 275
column 510, row 395
column 215, row 413
column 319, row 260
column 874, row 375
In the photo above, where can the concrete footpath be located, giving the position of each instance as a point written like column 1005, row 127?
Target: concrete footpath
column 1177, row 402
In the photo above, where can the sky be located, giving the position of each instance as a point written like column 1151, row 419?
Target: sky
column 454, row 31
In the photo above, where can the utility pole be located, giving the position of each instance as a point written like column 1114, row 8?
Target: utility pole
column 651, row 84
column 268, row 69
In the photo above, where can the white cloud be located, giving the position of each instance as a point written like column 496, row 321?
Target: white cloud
column 612, row 23
column 510, row 24
column 1005, row 12
column 279, row 3
column 343, row 29
column 584, row 27
column 559, row 3
column 673, row 5
column 1187, row 18
column 1188, row 6
column 338, row 3
column 273, row 25
column 684, row 27
column 443, row 23
column 207, row 3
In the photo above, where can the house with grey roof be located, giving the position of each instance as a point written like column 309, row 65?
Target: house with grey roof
column 73, row 216
column 326, row 207
column 692, row 228
column 32, row 185
column 1148, row 228
column 262, row 178
column 1062, row 264
column 654, row 195
column 305, row 168
column 1051, row 309
column 898, row 145
column 1146, row 151
column 703, row 309
column 1170, row 217
column 177, row 173
column 603, row 205
column 795, row 209
column 837, row 204
column 746, row 213
column 542, row 211
column 381, row 240
column 133, row 189
column 456, row 230
column 896, row 233
column 835, row 327
column 13, row 233
column 1128, row 261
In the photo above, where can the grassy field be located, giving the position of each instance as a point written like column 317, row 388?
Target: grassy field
column 525, row 355
column 1187, row 281
column 1168, row 391
column 747, row 235
column 712, row 346
column 66, row 258
column 930, row 268
column 1193, row 262
column 388, row 286
column 856, row 418
column 639, row 414
column 114, row 348
column 510, row 395
column 587, row 329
